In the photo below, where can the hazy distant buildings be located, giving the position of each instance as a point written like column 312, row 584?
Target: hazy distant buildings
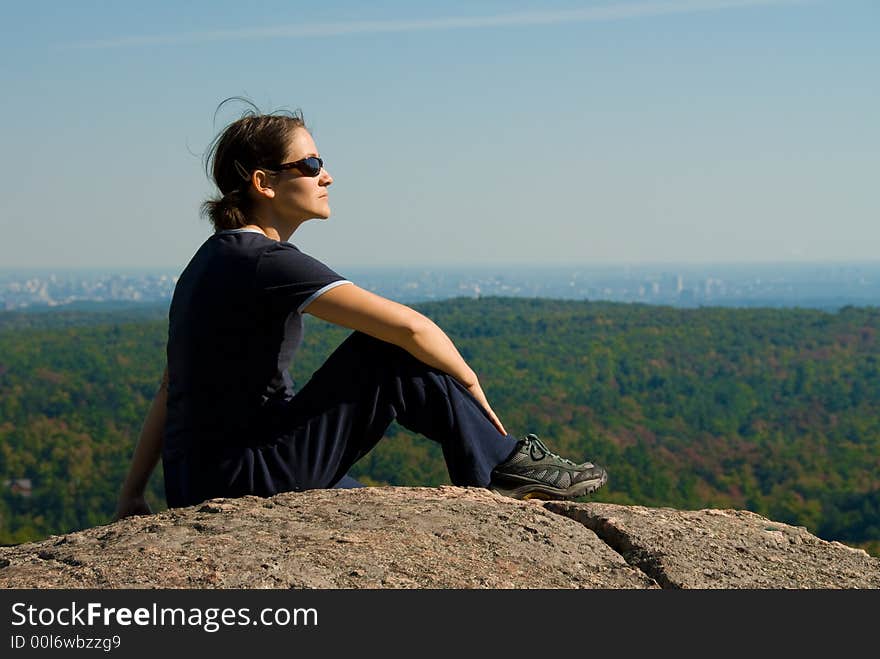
column 810, row 285
column 56, row 289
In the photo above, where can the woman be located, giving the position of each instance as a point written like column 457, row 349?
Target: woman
column 226, row 420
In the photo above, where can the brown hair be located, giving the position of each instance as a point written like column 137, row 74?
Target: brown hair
column 252, row 142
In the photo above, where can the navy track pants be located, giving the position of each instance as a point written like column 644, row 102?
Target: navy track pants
column 339, row 416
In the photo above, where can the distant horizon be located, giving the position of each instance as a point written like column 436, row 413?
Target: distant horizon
column 511, row 264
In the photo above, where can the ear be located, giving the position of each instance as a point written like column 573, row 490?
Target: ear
column 262, row 183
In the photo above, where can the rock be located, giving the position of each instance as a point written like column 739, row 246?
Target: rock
column 723, row 548
column 446, row 537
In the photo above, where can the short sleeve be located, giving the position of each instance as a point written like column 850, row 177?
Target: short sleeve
column 293, row 279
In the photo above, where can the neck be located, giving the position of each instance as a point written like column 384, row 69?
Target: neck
column 274, row 229
column 268, row 231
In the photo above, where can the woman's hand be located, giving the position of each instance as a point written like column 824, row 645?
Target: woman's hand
column 147, row 454
column 477, row 392
column 129, row 505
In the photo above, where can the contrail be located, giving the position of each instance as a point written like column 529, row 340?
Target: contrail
column 593, row 14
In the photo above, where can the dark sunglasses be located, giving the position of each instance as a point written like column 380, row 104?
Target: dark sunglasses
column 310, row 166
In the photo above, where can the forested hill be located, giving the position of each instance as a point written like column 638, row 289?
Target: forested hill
column 772, row 410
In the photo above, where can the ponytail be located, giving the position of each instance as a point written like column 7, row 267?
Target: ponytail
column 228, row 211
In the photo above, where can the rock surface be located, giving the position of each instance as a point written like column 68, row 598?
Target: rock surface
column 446, row 537
column 723, row 548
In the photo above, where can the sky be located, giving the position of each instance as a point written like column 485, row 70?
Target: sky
column 458, row 133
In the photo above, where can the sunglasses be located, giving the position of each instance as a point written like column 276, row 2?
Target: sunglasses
column 310, row 166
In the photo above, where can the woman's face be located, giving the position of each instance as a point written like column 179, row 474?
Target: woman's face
column 297, row 195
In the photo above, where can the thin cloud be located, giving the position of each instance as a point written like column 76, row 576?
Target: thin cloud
column 592, row 14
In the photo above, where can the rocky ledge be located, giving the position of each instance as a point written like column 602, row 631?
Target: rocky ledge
column 446, row 537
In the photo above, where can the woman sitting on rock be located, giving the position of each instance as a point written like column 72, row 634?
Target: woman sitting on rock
column 226, row 419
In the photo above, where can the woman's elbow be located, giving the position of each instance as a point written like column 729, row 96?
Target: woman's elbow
column 418, row 322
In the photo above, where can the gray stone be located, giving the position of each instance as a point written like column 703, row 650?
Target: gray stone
column 365, row 538
column 723, row 548
column 446, row 537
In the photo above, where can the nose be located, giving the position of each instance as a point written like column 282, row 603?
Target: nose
column 325, row 178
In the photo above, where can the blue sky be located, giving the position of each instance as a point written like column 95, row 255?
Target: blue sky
column 612, row 131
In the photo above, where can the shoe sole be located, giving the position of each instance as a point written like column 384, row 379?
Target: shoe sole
column 547, row 493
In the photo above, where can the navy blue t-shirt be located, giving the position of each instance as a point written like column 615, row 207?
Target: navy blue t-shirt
column 235, row 323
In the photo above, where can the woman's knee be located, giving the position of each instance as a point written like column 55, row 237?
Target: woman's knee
column 372, row 348
column 364, row 340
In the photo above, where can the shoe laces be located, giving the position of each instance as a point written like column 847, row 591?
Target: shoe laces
column 532, row 439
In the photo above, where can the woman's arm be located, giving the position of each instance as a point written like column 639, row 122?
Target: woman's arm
column 431, row 345
column 146, row 456
column 387, row 320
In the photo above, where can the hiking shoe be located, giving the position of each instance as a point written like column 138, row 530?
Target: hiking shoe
column 533, row 472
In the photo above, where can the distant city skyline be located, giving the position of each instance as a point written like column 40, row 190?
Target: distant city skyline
column 6, row 272
column 821, row 286
column 500, row 132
